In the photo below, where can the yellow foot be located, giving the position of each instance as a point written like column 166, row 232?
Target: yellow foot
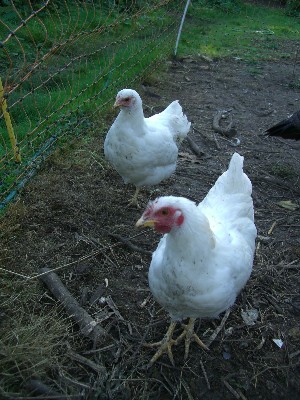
column 134, row 200
column 189, row 335
column 165, row 345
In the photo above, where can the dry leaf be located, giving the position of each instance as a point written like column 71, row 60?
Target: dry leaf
column 288, row 205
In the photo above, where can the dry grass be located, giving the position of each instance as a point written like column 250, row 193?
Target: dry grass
column 32, row 343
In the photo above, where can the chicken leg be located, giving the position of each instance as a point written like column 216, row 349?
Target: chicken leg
column 189, row 335
column 134, row 200
column 165, row 345
column 167, row 342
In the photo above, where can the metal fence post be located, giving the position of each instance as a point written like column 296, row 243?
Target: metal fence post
column 9, row 126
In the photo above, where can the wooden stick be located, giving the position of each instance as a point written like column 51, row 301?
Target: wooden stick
column 205, row 375
column 128, row 243
column 100, row 369
column 229, row 131
column 194, row 147
column 219, row 328
column 230, row 388
column 88, row 326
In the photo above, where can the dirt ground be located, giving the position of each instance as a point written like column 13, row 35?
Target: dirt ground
column 68, row 214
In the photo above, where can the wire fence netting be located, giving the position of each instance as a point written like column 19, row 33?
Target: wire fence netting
column 61, row 62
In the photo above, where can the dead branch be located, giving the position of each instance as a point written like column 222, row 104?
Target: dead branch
column 205, row 375
column 216, row 142
column 128, row 243
column 230, row 388
column 194, row 147
column 219, row 328
column 100, row 369
column 97, row 294
column 227, row 131
column 274, row 304
column 88, row 326
column 279, row 182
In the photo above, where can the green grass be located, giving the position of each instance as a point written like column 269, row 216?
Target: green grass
column 39, row 337
column 83, row 56
column 251, row 33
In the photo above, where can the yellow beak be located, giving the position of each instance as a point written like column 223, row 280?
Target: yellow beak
column 117, row 104
column 145, row 223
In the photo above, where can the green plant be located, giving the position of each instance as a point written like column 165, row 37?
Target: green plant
column 251, row 33
column 81, row 56
column 293, row 8
column 283, row 170
column 223, row 5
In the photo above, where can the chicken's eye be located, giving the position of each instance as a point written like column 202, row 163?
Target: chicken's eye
column 165, row 211
column 127, row 99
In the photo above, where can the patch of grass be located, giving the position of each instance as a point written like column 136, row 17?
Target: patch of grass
column 284, row 171
column 31, row 338
column 254, row 70
column 295, row 84
column 249, row 32
column 90, row 53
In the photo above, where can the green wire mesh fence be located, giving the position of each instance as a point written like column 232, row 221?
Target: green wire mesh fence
column 61, row 62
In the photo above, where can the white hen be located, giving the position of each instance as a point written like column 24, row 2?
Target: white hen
column 144, row 150
column 205, row 257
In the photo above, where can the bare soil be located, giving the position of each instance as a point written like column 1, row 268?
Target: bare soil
column 66, row 217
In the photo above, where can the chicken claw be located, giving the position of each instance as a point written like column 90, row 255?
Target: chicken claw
column 190, row 335
column 134, row 200
column 165, row 345
column 167, row 342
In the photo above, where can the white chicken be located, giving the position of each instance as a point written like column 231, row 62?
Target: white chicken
column 144, row 150
column 205, row 257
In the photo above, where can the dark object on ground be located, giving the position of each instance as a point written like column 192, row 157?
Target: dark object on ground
column 288, row 128
column 88, row 326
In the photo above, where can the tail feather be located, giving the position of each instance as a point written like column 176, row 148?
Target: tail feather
column 179, row 121
column 231, row 194
column 234, row 180
column 229, row 206
column 284, row 129
column 176, row 120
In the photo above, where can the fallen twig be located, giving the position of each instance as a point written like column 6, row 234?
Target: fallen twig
column 274, row 304
column 91, row 364
column 230, row 388
column 111, row 304
column 128, row 243
column 279, row 182
column 241, row 394
column 88, row 326
column 205, row 375
column 296, row 353
column 219, row 328
column 272, row 228
column 228, row 131
column 194, row 147
column 216, row 142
